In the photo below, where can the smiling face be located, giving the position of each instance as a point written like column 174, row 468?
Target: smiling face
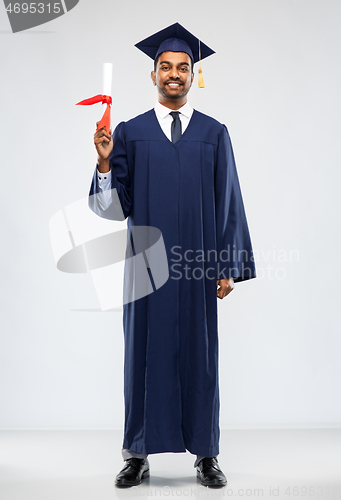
column 173, row 78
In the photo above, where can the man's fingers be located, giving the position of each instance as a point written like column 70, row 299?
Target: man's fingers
column 225, row 287
column 102, row 139
column 223, row 291
column 102, row 132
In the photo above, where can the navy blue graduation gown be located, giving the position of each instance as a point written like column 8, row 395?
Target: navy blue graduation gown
column 190, row 191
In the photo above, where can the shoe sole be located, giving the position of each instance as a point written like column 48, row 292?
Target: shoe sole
column 211, row 483
column 125, row 484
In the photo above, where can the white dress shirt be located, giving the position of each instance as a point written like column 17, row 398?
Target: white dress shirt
column 103, row 198
column 165, row 119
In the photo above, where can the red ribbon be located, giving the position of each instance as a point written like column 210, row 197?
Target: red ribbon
column 104, row 99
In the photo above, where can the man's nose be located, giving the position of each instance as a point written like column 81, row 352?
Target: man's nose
column 174, row 73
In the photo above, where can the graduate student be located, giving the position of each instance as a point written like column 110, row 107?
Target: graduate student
column 173, row 168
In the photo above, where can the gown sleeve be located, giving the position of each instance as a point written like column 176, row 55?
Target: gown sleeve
column 121, row 200
column 234, row 249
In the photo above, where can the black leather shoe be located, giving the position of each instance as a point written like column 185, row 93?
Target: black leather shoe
column 209, row 472
column 133, row 472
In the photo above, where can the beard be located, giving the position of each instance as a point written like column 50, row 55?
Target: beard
column 173, row 95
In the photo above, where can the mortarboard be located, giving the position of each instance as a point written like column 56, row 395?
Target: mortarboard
column 176, row 38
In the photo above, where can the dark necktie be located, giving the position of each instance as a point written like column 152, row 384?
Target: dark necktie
column 176, row 126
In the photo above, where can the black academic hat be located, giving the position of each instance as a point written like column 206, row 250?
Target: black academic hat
column 175, row 38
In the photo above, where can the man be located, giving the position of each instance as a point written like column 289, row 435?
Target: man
column 173, row 168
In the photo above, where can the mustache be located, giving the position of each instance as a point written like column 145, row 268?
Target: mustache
column 174, row 81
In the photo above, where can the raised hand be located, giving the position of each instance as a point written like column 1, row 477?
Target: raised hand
column 103, row 143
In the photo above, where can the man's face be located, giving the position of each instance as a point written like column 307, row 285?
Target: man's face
column 173, row 76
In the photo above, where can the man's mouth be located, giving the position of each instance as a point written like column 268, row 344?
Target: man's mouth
column 173, row 85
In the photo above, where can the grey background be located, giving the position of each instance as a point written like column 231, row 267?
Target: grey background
column 274, row 82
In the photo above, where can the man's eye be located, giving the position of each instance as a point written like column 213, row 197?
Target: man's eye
column 184, row 69
column 164, row 67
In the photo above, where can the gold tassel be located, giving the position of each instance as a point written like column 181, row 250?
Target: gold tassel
column 201, row 80
column 201, row 84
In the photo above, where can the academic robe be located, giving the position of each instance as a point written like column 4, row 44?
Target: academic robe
column 190, row 191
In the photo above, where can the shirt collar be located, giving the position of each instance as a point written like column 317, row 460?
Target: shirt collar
column 162, row 111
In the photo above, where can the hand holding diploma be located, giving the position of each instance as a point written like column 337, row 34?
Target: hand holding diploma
column 103, row 143
column 102, row 137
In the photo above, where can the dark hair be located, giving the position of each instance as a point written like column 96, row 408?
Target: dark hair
column 157, row 59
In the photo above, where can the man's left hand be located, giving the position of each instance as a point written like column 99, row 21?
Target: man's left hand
column 224, row 287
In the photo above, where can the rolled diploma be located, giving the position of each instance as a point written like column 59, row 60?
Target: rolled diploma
column 107, row 78
column 107, row 81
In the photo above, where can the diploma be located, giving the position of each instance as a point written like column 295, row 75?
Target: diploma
column 104, row 98
column 107, row 78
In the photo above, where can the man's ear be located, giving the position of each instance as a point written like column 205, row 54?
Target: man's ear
column 192, row 77
column 153, row 77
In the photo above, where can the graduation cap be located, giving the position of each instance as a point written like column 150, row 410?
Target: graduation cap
column 176, row 38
